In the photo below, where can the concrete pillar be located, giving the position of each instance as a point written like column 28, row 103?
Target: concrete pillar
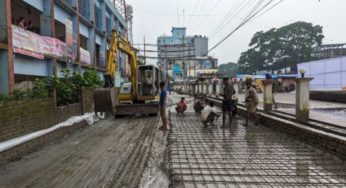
column 48, row 29
column 6, row 55
column 302, row 99
column 236, row 87
column 267, row 95
column 210, row 89
column 103, row 39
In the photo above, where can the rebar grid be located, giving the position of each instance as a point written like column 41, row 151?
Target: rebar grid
column 250, row 156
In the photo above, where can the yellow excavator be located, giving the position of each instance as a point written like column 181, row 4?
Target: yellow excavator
column 138, row 96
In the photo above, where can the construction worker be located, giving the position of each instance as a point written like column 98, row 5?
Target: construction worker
column 251, row 102
column 227, row 104
column 163, row 100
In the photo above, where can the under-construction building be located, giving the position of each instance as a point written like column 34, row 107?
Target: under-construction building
column 184, row 57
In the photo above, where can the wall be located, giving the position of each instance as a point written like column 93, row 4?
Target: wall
column 87, row 100
column 201, row 46
column 328, row 74
column 67, row 111
column 331, row 96
column 22, row 117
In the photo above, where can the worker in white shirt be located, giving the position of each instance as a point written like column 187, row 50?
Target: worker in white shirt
column 209, row 113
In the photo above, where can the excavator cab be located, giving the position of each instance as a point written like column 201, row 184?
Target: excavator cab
column 149, row 77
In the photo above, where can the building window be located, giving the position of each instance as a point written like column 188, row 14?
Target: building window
column 108, row 26
column 97, row 55
column 98, row 17
column 84, row 8
column 26, row 16
column 60, row 31
column 83, row 41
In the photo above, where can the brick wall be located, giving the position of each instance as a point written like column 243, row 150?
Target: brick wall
column 67, row 111
column 88, row 100
column 331, row 96
column 22, row 117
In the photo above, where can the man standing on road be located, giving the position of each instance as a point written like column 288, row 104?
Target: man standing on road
column 163, row 99
column 251, row 102
column 227, row 104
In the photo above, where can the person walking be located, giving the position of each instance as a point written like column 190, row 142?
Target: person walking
column 251, row 102
column 209, row 114
column 227, row 104
column 163, row 100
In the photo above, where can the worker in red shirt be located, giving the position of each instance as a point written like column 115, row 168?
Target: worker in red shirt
column 181, row 106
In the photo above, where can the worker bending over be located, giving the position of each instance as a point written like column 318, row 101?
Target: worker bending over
column 181, row 106
column 209, row 114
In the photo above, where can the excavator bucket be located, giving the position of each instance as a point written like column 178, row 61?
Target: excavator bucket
column 105, row 100
column 130, row 109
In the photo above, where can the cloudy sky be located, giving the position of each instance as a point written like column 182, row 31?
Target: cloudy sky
column 153, row 18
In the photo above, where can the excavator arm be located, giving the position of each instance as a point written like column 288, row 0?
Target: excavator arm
column 108, row 99
column 119, row 44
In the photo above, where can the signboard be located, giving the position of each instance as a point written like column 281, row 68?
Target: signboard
column 69, row 40
column 26, row 42
column 84, row 56
column 49, row 45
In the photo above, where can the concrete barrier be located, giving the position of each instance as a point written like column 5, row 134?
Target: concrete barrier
column 330, row 96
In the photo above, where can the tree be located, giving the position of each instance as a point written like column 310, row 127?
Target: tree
column 283, row 47
column 229, row 70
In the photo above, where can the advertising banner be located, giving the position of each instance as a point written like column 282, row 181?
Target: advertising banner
column 26, row 42
column 48, row 46
column 69, row 40
column 85, row 56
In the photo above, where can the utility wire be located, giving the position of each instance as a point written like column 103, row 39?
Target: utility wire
column 194, row 10
column 270, row 8
column 233, row 16
column 240, row 25
column 210, row 11
column 235, row 9
column 207, row 2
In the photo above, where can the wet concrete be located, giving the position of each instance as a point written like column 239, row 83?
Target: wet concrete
column 111, row 153
column 286, row 103
column 246, row 156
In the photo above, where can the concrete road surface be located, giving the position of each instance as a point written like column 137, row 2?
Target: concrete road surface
column 111, row 153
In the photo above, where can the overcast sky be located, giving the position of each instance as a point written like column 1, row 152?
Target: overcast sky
column 153, row 18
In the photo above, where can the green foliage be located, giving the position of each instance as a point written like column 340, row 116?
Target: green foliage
column 283, row 47
column 228, row 70
column 67, row 87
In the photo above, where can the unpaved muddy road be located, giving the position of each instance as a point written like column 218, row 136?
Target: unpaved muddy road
column 111, row 153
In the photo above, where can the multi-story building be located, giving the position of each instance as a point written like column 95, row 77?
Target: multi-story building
column 184, row 56
column 38, row 38
column 326, row 51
